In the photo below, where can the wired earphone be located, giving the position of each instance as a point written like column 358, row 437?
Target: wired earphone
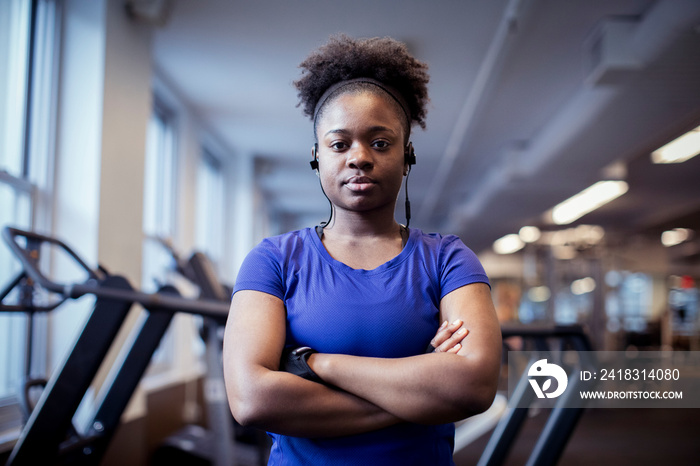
column 409, row 156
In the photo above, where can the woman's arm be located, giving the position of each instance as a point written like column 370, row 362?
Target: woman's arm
column 261, row 396
column 430, row 388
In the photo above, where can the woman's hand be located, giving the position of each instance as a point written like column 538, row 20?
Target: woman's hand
column 448, row 338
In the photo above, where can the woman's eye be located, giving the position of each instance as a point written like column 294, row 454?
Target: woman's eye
column 338, row 145
column 381, row 144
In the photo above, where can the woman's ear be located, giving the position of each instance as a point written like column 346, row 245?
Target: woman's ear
column 314, row 158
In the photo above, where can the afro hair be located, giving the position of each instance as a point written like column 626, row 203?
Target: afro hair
column 383, row 59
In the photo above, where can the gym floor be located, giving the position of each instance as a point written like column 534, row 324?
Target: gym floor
column 611, row 437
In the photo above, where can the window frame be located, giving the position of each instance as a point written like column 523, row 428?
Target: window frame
column 211, row 240
column 34, row 180
column 164, row 228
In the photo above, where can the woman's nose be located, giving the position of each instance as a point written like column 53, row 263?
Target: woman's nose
column 359, row 157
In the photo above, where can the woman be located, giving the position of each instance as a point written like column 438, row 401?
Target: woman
column 361, row 295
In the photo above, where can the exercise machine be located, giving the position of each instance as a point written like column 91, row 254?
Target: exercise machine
column 250, row 443
column 562, row 419
column 48, row 436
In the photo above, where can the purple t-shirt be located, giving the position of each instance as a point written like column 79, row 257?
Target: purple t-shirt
column 390, row 312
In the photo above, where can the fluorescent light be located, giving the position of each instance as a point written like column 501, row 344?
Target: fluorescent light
column 529, row 234
column 508, row 244
column 680, row 149
column 673, row 237
column 583, row 286
column 587, row 201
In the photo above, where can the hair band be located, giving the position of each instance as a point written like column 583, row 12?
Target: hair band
column 388, row 89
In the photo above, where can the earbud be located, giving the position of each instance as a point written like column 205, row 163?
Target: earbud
column 409, row 154
column 314, row 157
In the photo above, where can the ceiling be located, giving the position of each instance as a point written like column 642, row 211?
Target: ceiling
column 530, row 102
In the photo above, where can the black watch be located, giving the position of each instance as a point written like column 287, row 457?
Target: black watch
column 295, row 361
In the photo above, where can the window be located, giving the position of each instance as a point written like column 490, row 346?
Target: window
column 15, row 27
column 629, row 302
column 159, row 198
column 158, row 215
column 15, row 189
column 28, row 43
column 209, row 233
column 15, row 207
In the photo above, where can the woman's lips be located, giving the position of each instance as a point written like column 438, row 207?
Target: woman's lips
column 359, row 183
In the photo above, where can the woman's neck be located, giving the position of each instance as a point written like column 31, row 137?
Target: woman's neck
column 363, row 243
column 360, row 225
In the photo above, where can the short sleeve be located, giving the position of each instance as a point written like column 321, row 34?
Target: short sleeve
column 459, row 266
column 262, row 270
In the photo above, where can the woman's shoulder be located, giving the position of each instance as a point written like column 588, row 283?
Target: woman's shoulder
column 436, row 241
column 276, row 251
column 284, row 246
column 288, row 239
column 444, row 248
column 455, row 262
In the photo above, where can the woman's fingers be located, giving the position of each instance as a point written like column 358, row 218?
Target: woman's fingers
column 449, row 336
column 445, row 331
column 450, row 345
column 454, row 349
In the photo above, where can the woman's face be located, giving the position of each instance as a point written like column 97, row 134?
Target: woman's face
column 361, row 152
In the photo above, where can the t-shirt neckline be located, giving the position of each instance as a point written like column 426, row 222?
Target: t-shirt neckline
column 390, row 264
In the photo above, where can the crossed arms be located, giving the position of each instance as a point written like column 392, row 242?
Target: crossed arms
column 361, row 394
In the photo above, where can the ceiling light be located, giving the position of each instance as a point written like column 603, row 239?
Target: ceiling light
column 583, row 286
column 529, row 234
column 673, row 237
column 679, row 150
column 508, row 244
column 539, row 294
column 587, row 201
